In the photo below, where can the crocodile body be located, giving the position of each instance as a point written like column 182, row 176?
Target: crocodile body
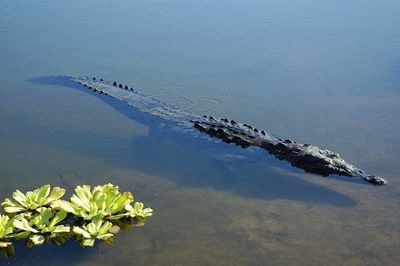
column 310, row 158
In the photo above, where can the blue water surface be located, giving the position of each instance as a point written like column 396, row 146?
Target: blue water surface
column 320, row 72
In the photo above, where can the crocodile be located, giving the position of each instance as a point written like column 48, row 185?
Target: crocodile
column 310, row 158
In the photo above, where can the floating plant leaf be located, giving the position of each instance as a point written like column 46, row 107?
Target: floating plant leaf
column 96, row 229
column 32, row 200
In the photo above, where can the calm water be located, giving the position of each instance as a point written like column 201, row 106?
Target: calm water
column 320, row 72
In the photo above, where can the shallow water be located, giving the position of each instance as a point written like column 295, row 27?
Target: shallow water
column 321, row 73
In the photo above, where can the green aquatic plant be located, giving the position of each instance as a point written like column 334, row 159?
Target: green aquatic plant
column 138, row 211
column 32, row 200
column 102, row 201
column 93, row 214
column 6, row 230
column 105, row 201
column 96, row 229
column 44, row 225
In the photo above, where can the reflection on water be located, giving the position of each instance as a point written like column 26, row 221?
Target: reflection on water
column 321, row 73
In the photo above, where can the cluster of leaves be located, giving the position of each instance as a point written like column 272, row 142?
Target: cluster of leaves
column 91, row 214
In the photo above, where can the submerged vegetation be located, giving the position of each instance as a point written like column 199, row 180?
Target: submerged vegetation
column 41, row 215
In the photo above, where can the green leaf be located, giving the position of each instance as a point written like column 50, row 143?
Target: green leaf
column 118, row 216
column 104, row 228
column 79, row 231
column 24, row 225
column 124, row 199
column 19, row 197
column 93, row 211
column 91, row 228
column 58, row 218
column 41, row 194
column 21, row 235
column 84, row 194
column 45, row 216
column 64, row 205
column 11, row 206
column 147, row 212
column 138, row 207
column 61, row 229
column 14, row 209
column 55, row 194
column 105, row 236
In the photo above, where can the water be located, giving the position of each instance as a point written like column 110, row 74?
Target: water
column 321, row 73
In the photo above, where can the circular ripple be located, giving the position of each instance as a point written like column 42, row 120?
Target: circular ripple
column 171, row 93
